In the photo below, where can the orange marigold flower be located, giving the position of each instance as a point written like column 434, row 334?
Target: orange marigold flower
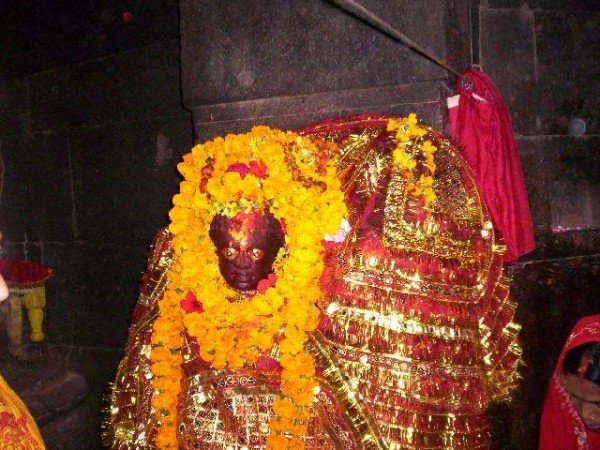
column 233, row 334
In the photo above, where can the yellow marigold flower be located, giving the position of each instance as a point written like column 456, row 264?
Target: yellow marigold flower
column 428, row 147
column 161, row 369
column 160, row 353
column 277, row 441
column 430, row 196
column 284, row 408
column 232, row 334
column 392, row 125
column 187, row 187
column 166, row 441
column 189, row 173
column 404, row 160
column 426, row 180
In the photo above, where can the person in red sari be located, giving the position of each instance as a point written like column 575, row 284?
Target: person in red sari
column 571, row 414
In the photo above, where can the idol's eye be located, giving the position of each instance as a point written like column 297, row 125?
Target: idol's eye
column 229, row 253
column 257, row 254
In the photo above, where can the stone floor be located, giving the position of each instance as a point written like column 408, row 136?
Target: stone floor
column 65, row 388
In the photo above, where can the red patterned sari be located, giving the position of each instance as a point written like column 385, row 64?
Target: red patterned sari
column 561, row 427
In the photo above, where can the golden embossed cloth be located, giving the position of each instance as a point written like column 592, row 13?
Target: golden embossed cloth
column 419, row 321
column 18, row 430
column 218, row 409
column 416, row 336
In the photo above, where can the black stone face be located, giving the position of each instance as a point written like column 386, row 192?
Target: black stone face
column 247, row 246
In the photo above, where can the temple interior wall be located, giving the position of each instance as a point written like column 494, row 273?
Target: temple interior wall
column 98, row 101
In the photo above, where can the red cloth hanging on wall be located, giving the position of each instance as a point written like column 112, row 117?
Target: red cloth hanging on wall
column 481, row 123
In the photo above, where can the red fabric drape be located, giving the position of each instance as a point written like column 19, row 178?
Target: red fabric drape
column 24, row 274
column 481, row 123
column 561, row 428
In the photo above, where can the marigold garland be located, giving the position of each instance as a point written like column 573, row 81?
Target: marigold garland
column 288, row 174
column 412, row 148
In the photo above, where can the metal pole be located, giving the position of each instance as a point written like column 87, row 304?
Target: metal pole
column 357, row 10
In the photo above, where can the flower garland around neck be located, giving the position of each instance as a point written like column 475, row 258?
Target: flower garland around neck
column 290, row 176
column 412, row 149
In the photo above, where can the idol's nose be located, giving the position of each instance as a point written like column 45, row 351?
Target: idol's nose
column 242, row 261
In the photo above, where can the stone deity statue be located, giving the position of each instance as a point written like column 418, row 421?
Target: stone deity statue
column 394, row 332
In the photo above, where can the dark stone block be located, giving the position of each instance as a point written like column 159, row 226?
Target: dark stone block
column 48, row 35
column 49, row 101
column 459, row 36
column 285, row 47
column 542, row 62
column 102, row 91
column 92, row 293
column 553, row 88
column 21, row 206
column 8, row 59
column 585, row 102
column 508, row 56
column 161, row 81
column 562, row 175
column 12, row 250
column 98, row 365
column 57, row 194
column 14, row 115
column 565, row 5
column 37, row 200
column 538, row 166
column 137, row 85
column 297, row 111
column 564, row 245
column 72, row 431
column 65, row 388
column 123, row 180
column 565, row 64
column 23, row 251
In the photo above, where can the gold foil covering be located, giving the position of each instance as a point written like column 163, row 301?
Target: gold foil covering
column 231, row 410
column 419, row 324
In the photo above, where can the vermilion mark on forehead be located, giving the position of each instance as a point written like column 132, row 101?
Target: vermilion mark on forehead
column 243, row 226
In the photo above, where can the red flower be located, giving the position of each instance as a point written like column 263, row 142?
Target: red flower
column 258, row 169
column 240, row 168
column 266, row 283
column 265, row 363
column 191, row 304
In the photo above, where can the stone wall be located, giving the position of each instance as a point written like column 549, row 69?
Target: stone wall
column 286, row 63
column 91, row 127
column 539, row 53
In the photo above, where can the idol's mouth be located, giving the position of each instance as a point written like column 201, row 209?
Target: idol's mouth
column 243, row 277
column 244, row 280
